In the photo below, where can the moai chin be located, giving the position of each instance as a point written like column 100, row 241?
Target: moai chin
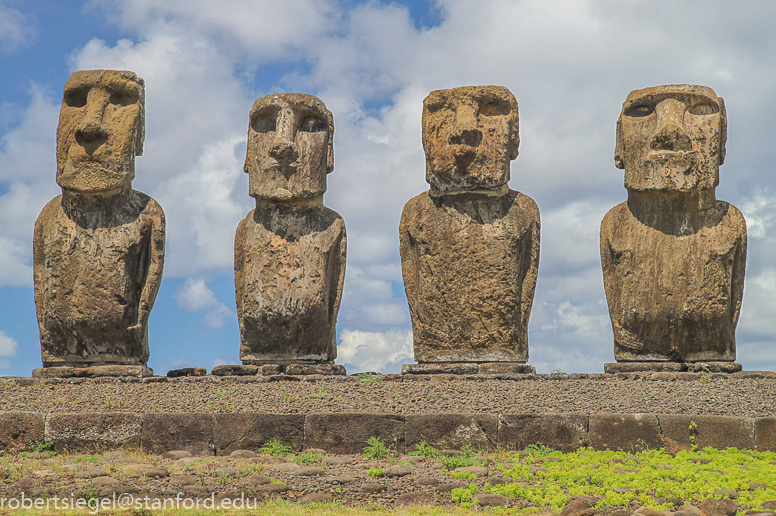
column 470, row 245
column 673, row 256
column 99, row 247
column 289, row 252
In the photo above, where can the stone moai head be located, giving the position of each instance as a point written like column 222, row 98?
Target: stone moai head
column 290, row 147
column 470, row 134
column 671, row 138
column 101, row 130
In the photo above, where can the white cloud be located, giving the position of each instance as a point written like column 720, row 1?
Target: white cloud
column 8, row 345
column 16, row 29
column 374, row 351
column 195, row 296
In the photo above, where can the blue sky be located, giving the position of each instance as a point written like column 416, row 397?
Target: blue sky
column 570, row 63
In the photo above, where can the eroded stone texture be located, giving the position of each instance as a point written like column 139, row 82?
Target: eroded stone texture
column 470, row 245
column 289, row 251
column 98, row 249
column 673, row 256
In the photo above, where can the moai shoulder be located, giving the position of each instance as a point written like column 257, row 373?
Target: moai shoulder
column 98, row 249
column 673, row 255
column 290, row 250
column 470, row 245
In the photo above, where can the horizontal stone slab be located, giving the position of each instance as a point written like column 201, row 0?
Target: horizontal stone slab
column 716, row 431
column 94, row 431
column 19, row 429
column 564, row 432
column 247, row 431
column 627, row 432
column 189, row 431
column 451, row 431
column 348, row 432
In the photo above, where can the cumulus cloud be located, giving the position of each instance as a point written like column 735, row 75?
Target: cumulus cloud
column 16, row 29
column 8, row 345
column 195, row 296
column 375, row 351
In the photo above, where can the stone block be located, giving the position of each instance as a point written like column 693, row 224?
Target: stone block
column 271, row 369
column 87, row 432
column 716, row 431
column 346, row 433
column 307, row 369
column 53, row 372
column 186, row 371
column 506, row 368
column 765, row 433
column 245, row 431
column 113, row 371
column 625, row 432
column 441, row 368
column 234, row 370
column 19, row 429
column 451, row 431
column 645, row 367
column 188, row 431
column 714, row 367
column 564, row 432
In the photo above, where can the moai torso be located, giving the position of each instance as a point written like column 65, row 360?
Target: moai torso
column 673, row 256
column 470, row 245
column 99, row 247
column 290, row 250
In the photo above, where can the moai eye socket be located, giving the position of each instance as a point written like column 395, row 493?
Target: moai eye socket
column 122, row 98
column 495, row 108
column 312, row 124
column 264, row 123
column 703, row 108
column 76, row 98
column 639, row 110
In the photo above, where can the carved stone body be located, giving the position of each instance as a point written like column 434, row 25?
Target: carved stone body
column 470, row 245
column 290, row 251
column 673, row 256
column 98, row 249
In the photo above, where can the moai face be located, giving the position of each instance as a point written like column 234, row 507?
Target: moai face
column 290, row 147
column 671, row 138
column 101, row 130
column 470, row 135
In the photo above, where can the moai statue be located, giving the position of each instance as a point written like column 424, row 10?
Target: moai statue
column 289, row 252
column 470, row 245
column 99, row 247
column 673, row 256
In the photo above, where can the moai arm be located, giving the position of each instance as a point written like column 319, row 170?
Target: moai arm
column 737, row 281
column 343, row 247
column 153, row 276
column 409, row 262
column 607, row 264
column 38, row 267
column 529, row 281
column 239, row 271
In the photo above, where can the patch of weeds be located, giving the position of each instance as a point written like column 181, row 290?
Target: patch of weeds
column 432, row 397
column 465, row 475
column 375, row 449
column 209, row 404
column 321, row 394
column 275, row 447
column 539, row 449
column 463, row 495
column 423, row 449
column 86, row 458
column 368, row 378
column 556, row 371
column 396, row 395
column 278, row 482
column 308, row 457
column 40, row 446
column 338, row 398
column 693, row 428
column 221, row 393
column 223, row 480
column 371, row 507
column 111, row 403
column 285, row 398
column 40, row 384
column 461, row 461
column 375, row 472
column 229, row 406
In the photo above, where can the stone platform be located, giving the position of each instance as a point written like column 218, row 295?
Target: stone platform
column 673, row 367
column 109, row 371
column 468, row 368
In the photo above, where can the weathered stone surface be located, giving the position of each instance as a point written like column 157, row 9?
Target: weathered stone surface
column 290, row 251
column 246, row 431
column 452, row 430
column 478, row 471
column 186, row 371
column 716, row 431
column 714, row 367
column 113, row 371
column 177, row 454
column 372, row 488
column 639, row 367
column 85, row 432
column 348, row 432
column 426, row 368
column 506, row 368
column 673, row 256
column 765, row 433
column 242, row 454
column 272, row 369
column 565, row 432
column 53, row 372
column 396, row 471
column 19, row 429
column 624, row 431
column 309, row 471
column 98, row 249
column 490, row 499
column 316, row 498
column 718, row 507
column 470, row 245
column 90, row 473
column 324, row 369
column 234, row 370
column 177, row 431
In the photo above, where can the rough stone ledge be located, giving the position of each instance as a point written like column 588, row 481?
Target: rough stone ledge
column 24, row 381
column 209, row 434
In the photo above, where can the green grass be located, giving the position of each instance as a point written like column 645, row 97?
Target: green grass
column 375, row 449
column 275, row 447
column 423, row 449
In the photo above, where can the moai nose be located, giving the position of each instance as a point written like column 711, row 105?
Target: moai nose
column 90, row 129
column 283, row 150
column 466, row 131
column 670, row 134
